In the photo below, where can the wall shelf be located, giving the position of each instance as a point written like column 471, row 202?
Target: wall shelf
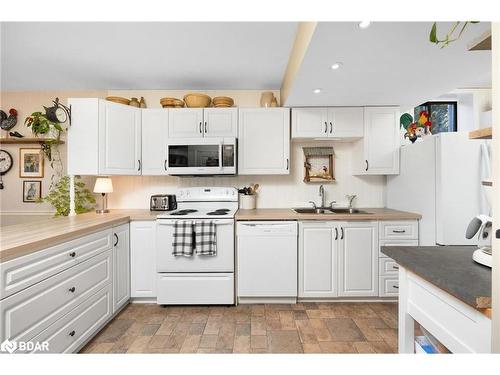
column 483, row 43
column 480, row 134
column 25, row 140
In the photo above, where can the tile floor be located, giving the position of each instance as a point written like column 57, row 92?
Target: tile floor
column 299, row 328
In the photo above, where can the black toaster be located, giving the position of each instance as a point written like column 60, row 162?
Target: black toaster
column 163, row 202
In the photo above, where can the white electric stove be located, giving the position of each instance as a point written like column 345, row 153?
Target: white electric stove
column 198, row 280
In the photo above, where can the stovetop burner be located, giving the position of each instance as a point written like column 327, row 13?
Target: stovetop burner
column 218, row 212
column 183, row 212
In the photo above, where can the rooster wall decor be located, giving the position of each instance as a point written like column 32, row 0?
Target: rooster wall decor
column 8, row 122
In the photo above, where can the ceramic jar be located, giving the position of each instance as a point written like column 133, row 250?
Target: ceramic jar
column 134, row 102
column 266, row 99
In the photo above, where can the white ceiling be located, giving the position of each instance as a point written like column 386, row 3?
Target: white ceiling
column 79, row 56
column 387, row 63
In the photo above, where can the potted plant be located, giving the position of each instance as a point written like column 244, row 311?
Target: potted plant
column 41, row 125
column 58, row 197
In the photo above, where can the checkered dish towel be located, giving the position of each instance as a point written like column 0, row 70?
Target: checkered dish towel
column 206, row 238
column 182, row 241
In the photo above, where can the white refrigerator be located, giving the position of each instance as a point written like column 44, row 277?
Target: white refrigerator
column 440, row 178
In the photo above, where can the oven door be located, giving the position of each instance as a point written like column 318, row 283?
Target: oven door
column 201, row 156
column 222, row 262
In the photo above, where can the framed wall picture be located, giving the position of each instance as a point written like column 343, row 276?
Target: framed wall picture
column 32, row 191
column 30, row 163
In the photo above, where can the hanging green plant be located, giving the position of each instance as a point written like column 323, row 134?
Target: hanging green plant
column 451, row 36
column 58, row 197
column 41, row 125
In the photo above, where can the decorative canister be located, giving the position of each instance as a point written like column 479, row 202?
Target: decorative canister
column 274, row 102
column 247, row 202
column 266, row 99
column 134, row 103
column 142, row 102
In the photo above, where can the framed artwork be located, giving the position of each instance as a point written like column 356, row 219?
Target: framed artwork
column 318, row 164
column 30, row 163
column 32, row 191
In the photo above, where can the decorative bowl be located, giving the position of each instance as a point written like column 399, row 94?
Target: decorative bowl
column 194, row 100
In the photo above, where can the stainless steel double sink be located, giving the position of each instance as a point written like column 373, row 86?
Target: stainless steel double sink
column 327, row 210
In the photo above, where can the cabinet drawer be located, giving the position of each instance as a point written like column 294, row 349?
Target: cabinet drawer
column 387, row 267
column 72, row 330
column 400, row 230
column 388, row 286
column 23, row 272
column 195, row 289
column 395, row 243
column 27, row 313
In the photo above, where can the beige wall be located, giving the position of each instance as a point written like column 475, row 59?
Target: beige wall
column 134, row 192
column 27, row 103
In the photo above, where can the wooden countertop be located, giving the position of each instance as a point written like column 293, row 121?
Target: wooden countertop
column 450, row 268
column 21, row 239
column 288, row 214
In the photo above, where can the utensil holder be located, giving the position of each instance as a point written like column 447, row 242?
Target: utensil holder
column 247, row 202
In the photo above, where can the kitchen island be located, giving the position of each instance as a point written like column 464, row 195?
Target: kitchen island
column 447, row 293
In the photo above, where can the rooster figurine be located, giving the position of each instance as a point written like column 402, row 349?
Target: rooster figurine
column 9, row 122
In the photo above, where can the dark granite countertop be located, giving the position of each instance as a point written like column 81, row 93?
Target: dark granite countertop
column 450, row 268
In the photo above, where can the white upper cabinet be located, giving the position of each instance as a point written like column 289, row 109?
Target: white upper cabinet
column 310, row 123
column 358, row 259
column 345, row 122
column 220, row 122
column 154, row 141
column 104, row 138
column 378, row 151
column 264, row 141
column 327, row 123
column 202, row 122
column 185, row 122
column 119, row 139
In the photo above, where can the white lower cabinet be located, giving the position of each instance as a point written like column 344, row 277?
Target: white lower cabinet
column 74, row 289
column 143, row 259
column 358, row 259
column 121, row 266
column 318, row 253
column 343, row 258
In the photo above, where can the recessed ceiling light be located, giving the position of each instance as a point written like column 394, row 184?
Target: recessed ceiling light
column 336, row 66
column 364, row 24
column 317, row 91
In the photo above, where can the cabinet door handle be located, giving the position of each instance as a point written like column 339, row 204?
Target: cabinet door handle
column 139, row 162
column 72, row 333
column 342, row 233
column 72, row 254
column 395, row 267
column 398, row 231
column 336, row 233
column 366, row 161
column 395, row 287
column 326, row 127
column 165, row 165
column 287, row 163
column 206, row 127
column 72, row 289
column 201, row 129
column 116, row 237
column 331, row 127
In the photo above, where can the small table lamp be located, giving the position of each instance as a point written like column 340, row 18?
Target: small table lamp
column 103, row 185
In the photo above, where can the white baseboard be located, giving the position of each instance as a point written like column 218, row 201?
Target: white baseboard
column 143, row 300
column 260, row 300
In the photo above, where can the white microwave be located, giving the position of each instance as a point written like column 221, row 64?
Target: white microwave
column 201, row 156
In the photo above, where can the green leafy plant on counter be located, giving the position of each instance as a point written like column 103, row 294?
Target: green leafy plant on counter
column 451, row 36
column 58, row 197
